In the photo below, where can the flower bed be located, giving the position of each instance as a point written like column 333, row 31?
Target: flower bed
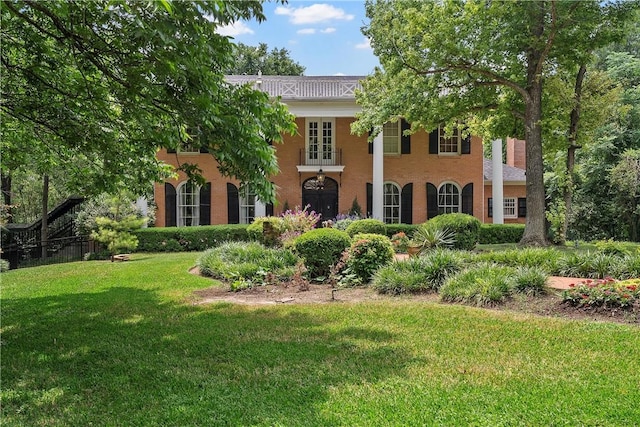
column 606, row 293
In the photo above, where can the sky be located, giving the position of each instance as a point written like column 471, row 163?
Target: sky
column 323, row 37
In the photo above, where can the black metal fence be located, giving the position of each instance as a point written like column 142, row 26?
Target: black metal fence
column 30, row 253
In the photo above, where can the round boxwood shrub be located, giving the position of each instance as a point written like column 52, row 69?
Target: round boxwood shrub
column 367, row 254
column 465, row 227
column 366, row 226
column 320, row 249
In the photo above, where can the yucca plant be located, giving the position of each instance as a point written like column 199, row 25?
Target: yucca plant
column 426, row 238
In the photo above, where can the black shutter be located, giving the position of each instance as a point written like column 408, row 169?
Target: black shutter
column 169, row 205
column 171, row 150
column 466, row 145
column 205, row 204
column 233, row 204
column 432, row 200
column 369, row 199
column 405, row 140
column 467, row 199
column 370, row 143
column 490, row 214
column 269, row 209
column 406, row 204
column 433, row 142
column 204, row 149
column 522, row 207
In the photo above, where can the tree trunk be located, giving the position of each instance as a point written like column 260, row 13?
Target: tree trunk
column 44, row 227
column 535, row 231
column 571, row 151
column 6, row 194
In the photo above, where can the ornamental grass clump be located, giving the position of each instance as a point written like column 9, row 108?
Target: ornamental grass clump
column 246, row 264
column 485, row 284
column 588, row 264
column 605, row 293
column 546, row 258
column 530, row 280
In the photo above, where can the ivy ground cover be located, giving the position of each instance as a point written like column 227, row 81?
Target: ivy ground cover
column 124, row 344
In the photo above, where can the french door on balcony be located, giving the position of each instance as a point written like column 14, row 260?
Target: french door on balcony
column 320, row 141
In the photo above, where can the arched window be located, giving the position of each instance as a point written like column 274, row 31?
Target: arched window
column 391, row 205
column 188, row 206
column 449, row 198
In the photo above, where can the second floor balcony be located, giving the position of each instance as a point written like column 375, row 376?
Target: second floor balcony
column 327, row 160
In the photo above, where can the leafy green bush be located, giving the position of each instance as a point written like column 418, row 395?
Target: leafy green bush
column 500, row 233
column 321, row 248
column 117, row 234
column 177, row 239
column 368, row 252
column 245, row 264
column 483, row 284
column 4, row 265
column 407, row 229
column 255, row 229
column 530, row 281
column 367, row 226
column 465, row 227
column 417, row 274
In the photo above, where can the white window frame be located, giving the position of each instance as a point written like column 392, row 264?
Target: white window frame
column 449, row 141
column 390, row 210
column 325, row 149
column 247, row 202
column 448, row 206
column 184, row 203
column 510, row 207
column 391, row 136
column 192, row 145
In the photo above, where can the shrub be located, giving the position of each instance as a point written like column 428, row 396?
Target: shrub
column 628, row 267
column 117, row 234
column 368, row 253
column 465, row 227
column 588, row 264
column 440, row 264
column 500, row 233
column 114, row 207
column 367, row 226
column 607, row 293
column 255, row 229
column 4, row 265
column 176, row 239
column 530, row 281
column 355, row 210
column 400, row 242
column 343, row 221
column 407, row 229
column 245, row 264
column 481, row 285
column 320, row 249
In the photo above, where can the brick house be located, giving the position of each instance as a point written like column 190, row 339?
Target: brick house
column 396, row 178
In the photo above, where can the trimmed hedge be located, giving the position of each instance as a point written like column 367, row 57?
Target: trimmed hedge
column 184, row 239
column 320, row 249
column 500, row 233
column 367, row 226
column 466, row 228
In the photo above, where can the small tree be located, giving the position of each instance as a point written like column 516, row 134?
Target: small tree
column 117, row 234
column 355, row 208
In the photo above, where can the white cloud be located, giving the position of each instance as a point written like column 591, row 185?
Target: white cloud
column 339, row 74
column 235, row 29
column 313, row 14
column 328, row 30
column 366, row 44
column 306, row 31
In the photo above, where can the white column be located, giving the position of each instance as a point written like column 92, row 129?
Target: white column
column 378, row 178
column 496, row 182
column 261, row 208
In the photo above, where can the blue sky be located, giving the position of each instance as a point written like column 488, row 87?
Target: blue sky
column 324, row 37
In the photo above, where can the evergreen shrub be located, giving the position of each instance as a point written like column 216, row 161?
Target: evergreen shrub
column 321, row 248
column 179, row 239
column 465, row 227
column 367, row 253
column 493, row 234
column 367, row 226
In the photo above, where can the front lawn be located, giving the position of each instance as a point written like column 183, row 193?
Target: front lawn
column 122, row 344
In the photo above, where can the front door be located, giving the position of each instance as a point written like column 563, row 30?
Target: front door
column 322, row 200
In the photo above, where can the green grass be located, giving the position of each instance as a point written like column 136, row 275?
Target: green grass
column 122, row 344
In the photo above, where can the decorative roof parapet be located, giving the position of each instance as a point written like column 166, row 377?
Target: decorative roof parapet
column 304, row 88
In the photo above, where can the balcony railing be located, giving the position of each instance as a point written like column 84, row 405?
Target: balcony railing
column 321, row 158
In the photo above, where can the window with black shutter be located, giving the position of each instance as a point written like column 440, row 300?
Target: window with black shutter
column 205, row 204
column 432, row 200
column 405, row 140
column 467, row 199
column 522, row 207
column 369, row 199
column 490, row 205
column 466, row 145
column 433, row 141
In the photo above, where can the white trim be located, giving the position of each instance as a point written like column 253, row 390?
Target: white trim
column 441, row 135
column 321, row 153
column 385, row 205
column 323, row 109
column 514, row 200
column 378, row 178
column 246, row 203
column 459, row 207
column 398, row 138
column 182, row 206
column 314, row 168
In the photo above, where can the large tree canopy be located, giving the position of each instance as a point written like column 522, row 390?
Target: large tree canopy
column 99, row 86
column 275, row 62
column 480, row 62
